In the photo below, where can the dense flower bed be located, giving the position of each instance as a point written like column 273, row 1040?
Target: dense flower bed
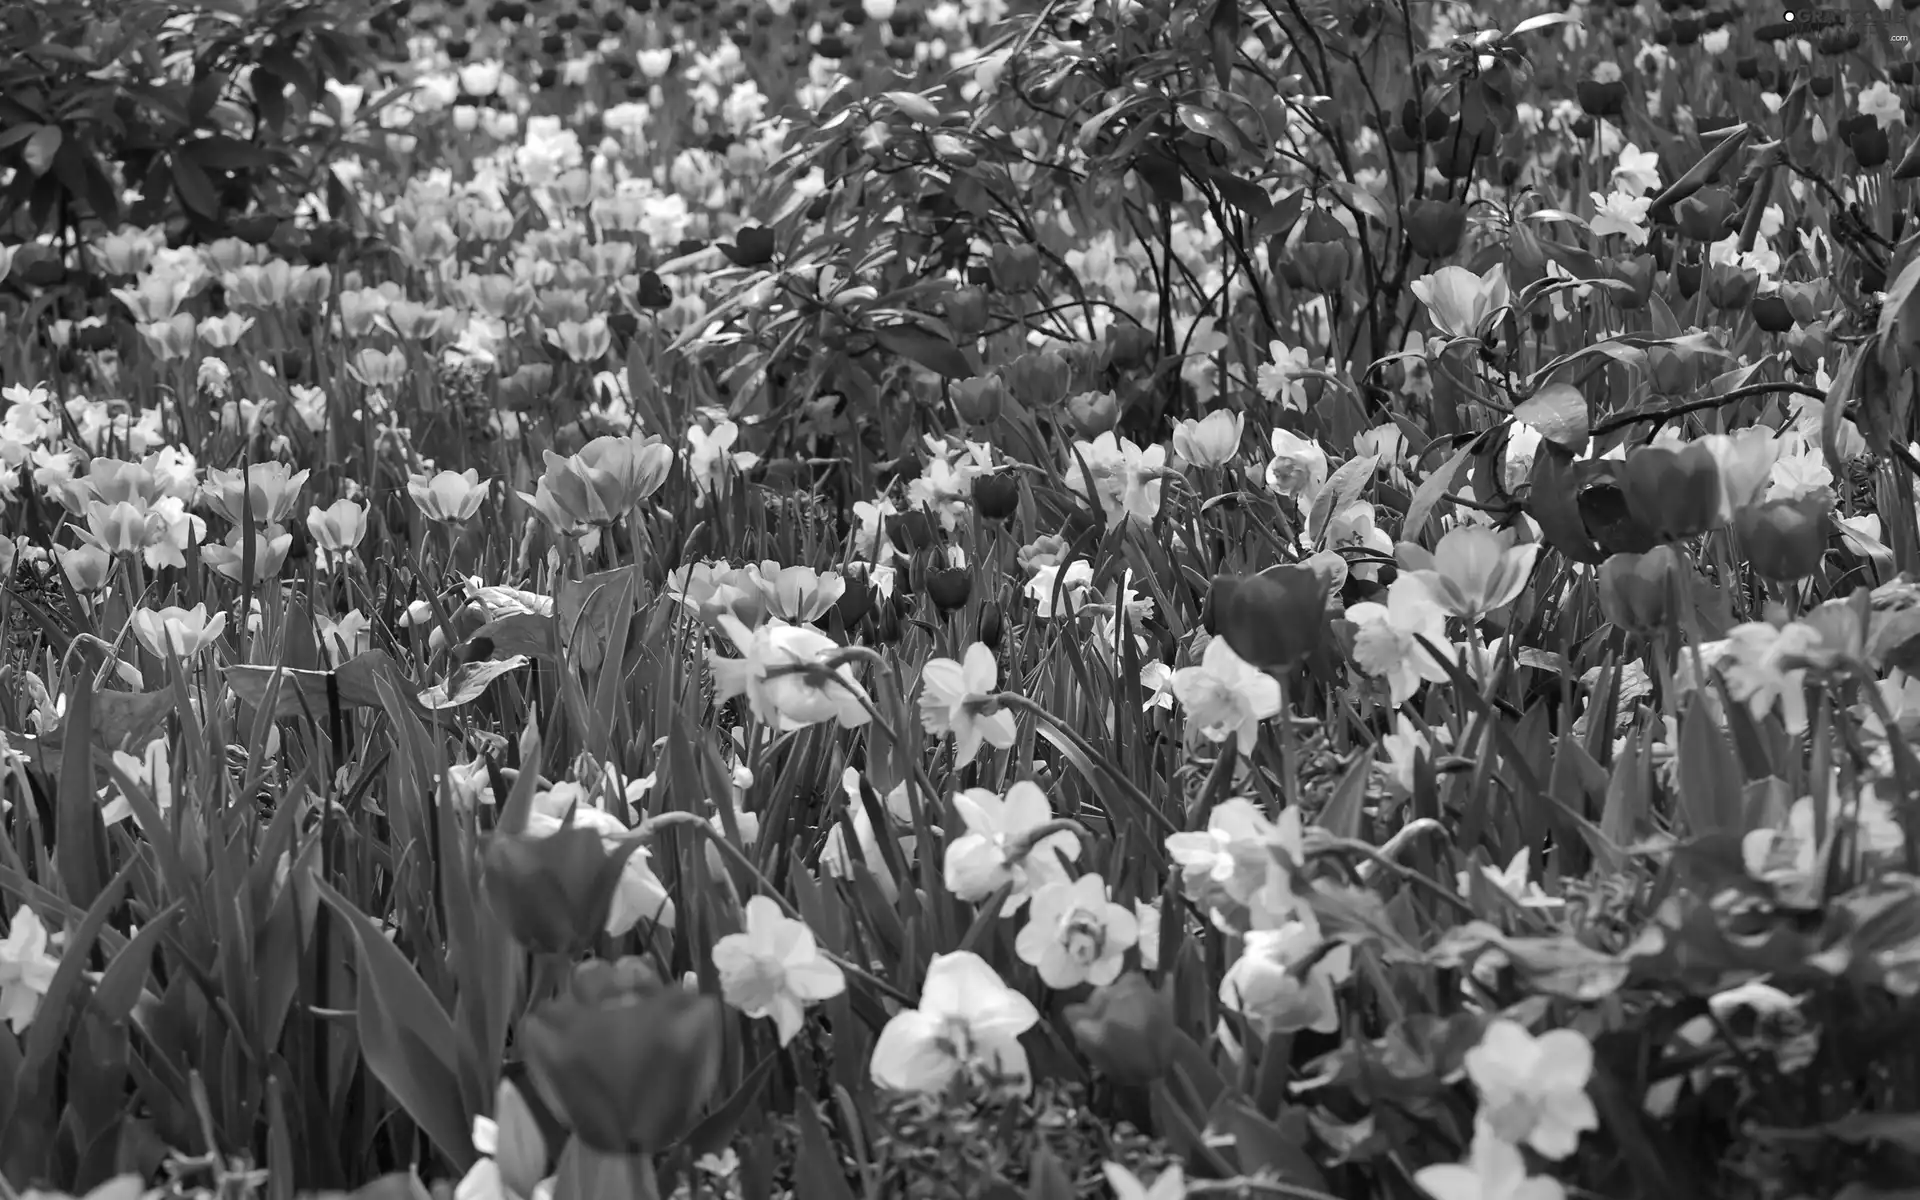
column 966, row 599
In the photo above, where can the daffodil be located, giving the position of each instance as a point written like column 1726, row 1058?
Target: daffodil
column 1004, row 844
column 26, row 968
column 1225, row 697
column 1386, row 641
column 1494, row 1172
column 955, row 698
column 968, row 1021
column 774, row 969
column 1533, row 1090
column 1285, row 977
column 1076, row 934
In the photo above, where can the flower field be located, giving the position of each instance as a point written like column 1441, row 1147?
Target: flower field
column 959, row 599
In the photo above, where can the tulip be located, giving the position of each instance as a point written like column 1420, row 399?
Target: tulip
column 554, row 891
column 1272, row 619
column 1675, row 493
column 1637, row 590
column 1126, row 1030
column 996, row 494
column 268, row 489
column 1015, row 268
column 980, row 400
column 1703, row 216
column 1212, row 441
column 1784, row 539
column 1770, row 313
column 1093, row 413
column 624, row 1060
column 87, row 568
column 1038, row 380
column 1322, row 266
column 967, row 313
column 184, row 631
column 1728, row 287
column 448, row 496
column 1434, row 227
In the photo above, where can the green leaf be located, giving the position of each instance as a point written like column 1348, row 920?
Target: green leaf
column 1559, row 412
column 405, row 1036
column 816, row 1170
column 937, row 354
column 1711, row 798
column 1340, row 491
column 80, row 855
column 715, row 1131
column 1276, row 1150
column 1432, row 490
column 1208, row 123
column 195, row 189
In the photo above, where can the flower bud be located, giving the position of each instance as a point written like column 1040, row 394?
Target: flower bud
column 624, row 1060
column 1038, row 380
column 1093, row 413
column 991, row 626
column 979, row 400
column 1015, row 268
column 1434, row 227
column 1675, row 493
column 1322, row 265
column 1784, row 539
column 1272, row 619
column 1637, row 590
column 553, row 892
column 1128, row 345
column 1126, row 1030
column 1770, row 312
column 967, row 313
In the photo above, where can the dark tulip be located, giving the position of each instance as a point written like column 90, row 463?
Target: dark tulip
column 548, row 77
column 1435, row 227
column 949, row 588
column 1126, row 1030
column 1784, row 539
column 752, row 246
column 624, row 1060
column 1582, row 127
column 991, row 626
column 996, row 494
column 1821, row 85
column 1128, row 345
column 1599, row 99
column 1675, row 493
column 914, row 529
column 652, row 294
column 565, row 21
column 459, row 48
column 1686, row 276
column 623, row 324
column 1637, row 590
column 1870, row 147
column 1770, row 313
column 856, row 600
column 830, row 46
column 1323, row 266
column 1747, row 68
column 553, row 892
column 1900, row 73
column 1273, row 619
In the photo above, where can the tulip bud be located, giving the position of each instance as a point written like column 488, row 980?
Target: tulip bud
column 553, row 892
column 979, row 400
column 1038, row 380
column 1637, row 590
column 967, row 313
column 1770, row 313
column 1015, row 268
column 1807, row 345
column 1870, row 147
column 1434, row 227
column 624, row 1060
column 1784, row 539
column 1128, row 346
column 1126, row 1030
column 1675, row 493
column 1272, row 619
column 1093, row 413
column 1637, row 274
column 855, row 600
column 996, row 495
column 1599, row 99
column 1322, row 265
column 991, row 626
